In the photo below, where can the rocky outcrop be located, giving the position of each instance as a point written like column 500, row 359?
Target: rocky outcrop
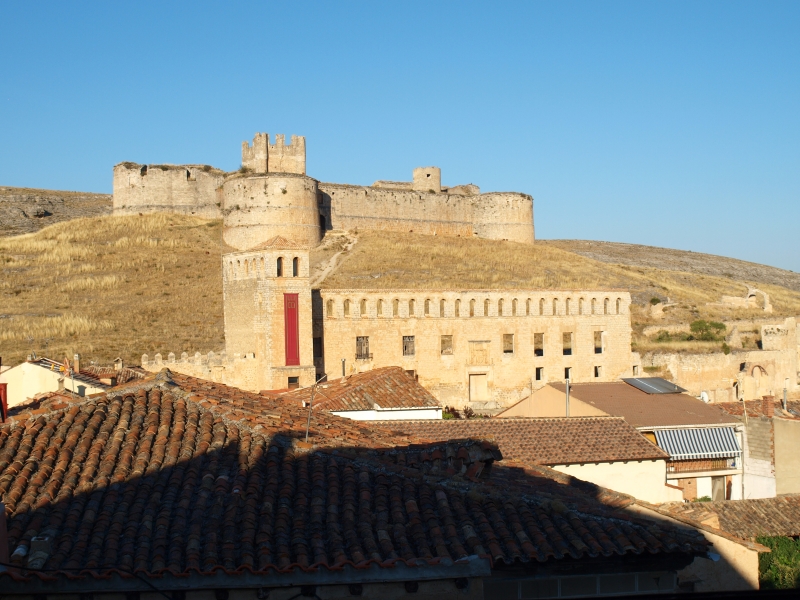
column 25, row 210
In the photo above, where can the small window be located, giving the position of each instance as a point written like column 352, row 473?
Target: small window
column 599, row 338
column 447, row 345
column 472, row 308
column 635, row 370
column 317, row 347
column 508, row 343
column 329, row 310
column 441, row 307
column 486, row 308
column 427, row 308
column 362, row 348
column 514, row 307
column 500, row 307
column 555, row 306
column 539, row 373
column 280, row 267
column 566, row 340
column 347, row 308
column 295, row 267
column 619, row 302
column 594, row 306
column 411, row 307
column 605, row 306
column 538, row 344
column 566, row 306
column 362, row 309
column 598, row 371
column 408, row 345
column 568, row 373
column 528, row 308
column 262, row 266
column 458, row 308
column 580, row 306
column 143, row 170
column 541, row 307
column 293, row 383
column 395, row 307
column 380, row 308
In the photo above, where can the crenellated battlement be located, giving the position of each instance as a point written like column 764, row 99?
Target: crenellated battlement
column 262, row 157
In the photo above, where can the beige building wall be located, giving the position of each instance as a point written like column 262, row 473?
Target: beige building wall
column 475, row 366
column 183, row 189
column 645, row 479
column 549, row 402
column 787, row 456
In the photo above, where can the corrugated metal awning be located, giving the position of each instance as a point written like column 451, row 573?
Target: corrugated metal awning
column 706, row 442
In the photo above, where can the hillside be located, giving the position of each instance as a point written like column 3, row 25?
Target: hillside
column 123, row 286
column 25, row 210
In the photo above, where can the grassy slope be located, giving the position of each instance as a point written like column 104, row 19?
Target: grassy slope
column 112, row 286
column 124, row 286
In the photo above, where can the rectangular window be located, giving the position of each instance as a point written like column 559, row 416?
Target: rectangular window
column 317, row 347
column 539, row 373
column 598, row 371
column 408, row 345
column 566, row 340
column 568, row 373
column 598, row 342
column 362, row 348
column 508, row 343
column 538, row 344
column 413, row 374
column 293, row 383
column 635, row 370
column 447, row 345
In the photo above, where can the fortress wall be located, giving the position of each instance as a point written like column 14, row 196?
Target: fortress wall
column 259, row 207
column 185, row 189
column 492, row 216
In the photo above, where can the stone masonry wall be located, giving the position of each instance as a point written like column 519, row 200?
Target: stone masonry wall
column 478, row 343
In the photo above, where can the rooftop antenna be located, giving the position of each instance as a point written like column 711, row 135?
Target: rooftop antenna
column 311, row 403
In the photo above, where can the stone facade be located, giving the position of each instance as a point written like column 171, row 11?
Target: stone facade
column 272, row 189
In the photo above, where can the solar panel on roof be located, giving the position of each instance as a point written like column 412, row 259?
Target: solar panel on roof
column 654, row 385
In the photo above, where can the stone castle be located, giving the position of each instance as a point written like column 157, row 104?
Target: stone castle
column 482, row 348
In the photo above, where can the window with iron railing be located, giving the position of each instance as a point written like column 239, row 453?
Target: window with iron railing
column 408, row 345
column 362, row 348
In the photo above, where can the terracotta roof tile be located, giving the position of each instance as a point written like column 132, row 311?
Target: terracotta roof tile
column 544, row 441
column 176, row 474
column 387, row 387
column 755, row 408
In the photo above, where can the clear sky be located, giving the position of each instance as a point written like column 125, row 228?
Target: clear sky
column 671, row 124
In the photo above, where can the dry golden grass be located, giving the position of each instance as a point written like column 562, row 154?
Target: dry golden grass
column 112, row 286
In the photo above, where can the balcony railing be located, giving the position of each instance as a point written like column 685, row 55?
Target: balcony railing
column 702, row 464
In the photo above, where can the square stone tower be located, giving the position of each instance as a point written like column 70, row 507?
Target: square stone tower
column 267, row 303
column 280, row 157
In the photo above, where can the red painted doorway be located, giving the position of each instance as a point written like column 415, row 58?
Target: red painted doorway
column 291, row 327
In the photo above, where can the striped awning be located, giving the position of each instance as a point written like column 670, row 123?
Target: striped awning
column 706, row 442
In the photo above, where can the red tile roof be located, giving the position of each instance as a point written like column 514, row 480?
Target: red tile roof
column 387, row 387
column 177, row 475
column 746, row 519
column 755, row 408
column 646, row 410
column 544, row 441
column 278, row 243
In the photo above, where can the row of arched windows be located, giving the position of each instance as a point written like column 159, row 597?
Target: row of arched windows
column 258, row 266
column 477, row 308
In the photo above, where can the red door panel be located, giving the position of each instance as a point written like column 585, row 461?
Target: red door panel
column 291, row 325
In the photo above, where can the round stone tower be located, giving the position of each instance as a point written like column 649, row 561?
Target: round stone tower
column 271, row 196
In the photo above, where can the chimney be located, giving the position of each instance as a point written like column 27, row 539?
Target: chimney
column 768, row 406
column 76, row 363
column 3, row 535
column 118, row 364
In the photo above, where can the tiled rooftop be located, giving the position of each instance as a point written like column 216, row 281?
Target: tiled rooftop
column 640, row 409
column 544, row 441
column 387, row 387
column 755, row 408
column 178, row 474
column 277, row 243
column 746, row 519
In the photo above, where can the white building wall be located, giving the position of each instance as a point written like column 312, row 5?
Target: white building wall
column 27, row 380
column 397, row 414
column 645, row 480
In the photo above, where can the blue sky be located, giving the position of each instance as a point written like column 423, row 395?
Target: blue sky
column 671, row 124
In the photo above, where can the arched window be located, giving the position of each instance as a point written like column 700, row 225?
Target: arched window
column 528, row 307
column 555, row 306
column 441, row 307
column 500, row 307
column 580, row 306
column 262, row 265
column 363, row 308
column 411, row 308
column 427, row 307
column 594, row 305
column 541, row 306
column 514, row 307
column 329, row 311
column 486, row 308
column 605, row 306
column 295, row 267
column 566, row 305
column 347, row 308
column 472, row 308
column 619, row 302
column 395, row 307
column 380, row 308
column 280, row 266
column 458, row 308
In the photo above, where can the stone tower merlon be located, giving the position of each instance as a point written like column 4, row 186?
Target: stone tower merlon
column 263, row 157
column 427, row 179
